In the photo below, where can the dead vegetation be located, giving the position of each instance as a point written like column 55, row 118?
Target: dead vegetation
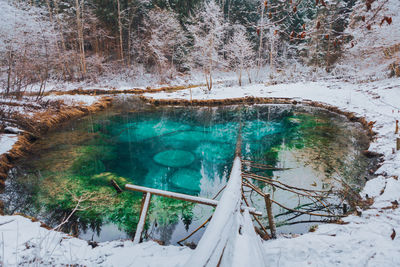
column 57, row 113
column 54, row 115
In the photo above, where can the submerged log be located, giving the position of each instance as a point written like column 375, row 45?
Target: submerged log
column 116, row 186
column 184, row 197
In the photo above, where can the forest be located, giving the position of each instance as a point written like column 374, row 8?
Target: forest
column 77, row 40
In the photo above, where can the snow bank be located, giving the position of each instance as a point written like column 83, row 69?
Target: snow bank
column 6, row 142
column 74, row 99
column 26, row 243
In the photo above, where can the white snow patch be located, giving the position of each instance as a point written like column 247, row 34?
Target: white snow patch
column 26, row 243
column 6, row 142
column 391, row 193
column 374, row 187
column 74, row 99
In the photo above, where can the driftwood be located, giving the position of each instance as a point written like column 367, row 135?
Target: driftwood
column 116, row 186
column 260, row 192
column 305, row 212
column 142, row 219
column 266, row 235
column 184, row 197
column 195, row 231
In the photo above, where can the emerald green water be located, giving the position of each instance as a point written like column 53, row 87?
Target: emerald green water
column 187, row 150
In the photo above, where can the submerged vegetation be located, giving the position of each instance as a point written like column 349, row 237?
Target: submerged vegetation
column 177, row 149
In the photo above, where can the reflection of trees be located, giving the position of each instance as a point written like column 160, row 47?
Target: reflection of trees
column 165, row 214
column 322, row 141
column 168, row 211
column 187, row 220
column 19, row 193
column 84, row 160
column 162, row 232
column 271, row 144
column 76, row 224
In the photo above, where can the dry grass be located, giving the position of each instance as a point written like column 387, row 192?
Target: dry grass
column 44, row 121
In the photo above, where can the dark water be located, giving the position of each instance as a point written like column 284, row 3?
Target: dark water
column 187, row 150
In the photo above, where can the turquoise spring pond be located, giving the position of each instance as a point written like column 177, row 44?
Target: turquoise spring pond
column 187, row 150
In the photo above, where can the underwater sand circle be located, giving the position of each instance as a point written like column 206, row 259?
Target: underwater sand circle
column 174, row 158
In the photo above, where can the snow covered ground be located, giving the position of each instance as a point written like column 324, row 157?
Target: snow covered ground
column 6, row 142
column 25, row 243
column 86, row 100
column 126, row 81
column 370, row 239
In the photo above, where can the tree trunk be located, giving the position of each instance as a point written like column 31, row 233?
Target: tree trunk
column 80, row 37
column 260, row 46
column 120, row 32
column 130, row 37
column 64, row 49
column 57, row 48
column 272, row 54
column 248, row 75
column 9, row 72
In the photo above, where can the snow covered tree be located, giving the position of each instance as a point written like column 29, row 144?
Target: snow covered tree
column 27, row 47
column 240, row 52
column 280, row 29
column 163, row 41
column 208, row 32
column 182, row 8
column 326, row 36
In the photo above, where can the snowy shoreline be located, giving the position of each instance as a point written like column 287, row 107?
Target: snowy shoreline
column 369, row 239
column 366, row 240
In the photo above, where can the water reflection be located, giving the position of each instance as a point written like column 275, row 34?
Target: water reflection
column 187, row 150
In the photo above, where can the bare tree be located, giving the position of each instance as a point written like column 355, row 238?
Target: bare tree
column 79, row 23
column 240, row 52
column 208, row 30
column 121, row 48
column 27, row 47
column 163, row 42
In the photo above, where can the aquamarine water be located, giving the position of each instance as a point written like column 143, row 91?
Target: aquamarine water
column 181, row 149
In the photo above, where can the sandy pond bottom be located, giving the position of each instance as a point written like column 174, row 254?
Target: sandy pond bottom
column 187, row 150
